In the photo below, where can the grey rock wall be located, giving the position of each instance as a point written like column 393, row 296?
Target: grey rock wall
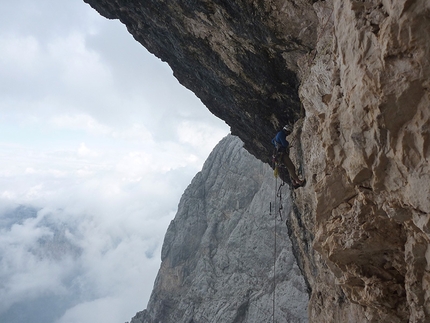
column 219, row 251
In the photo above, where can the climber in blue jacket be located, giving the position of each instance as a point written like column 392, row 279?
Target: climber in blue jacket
column 283, row 151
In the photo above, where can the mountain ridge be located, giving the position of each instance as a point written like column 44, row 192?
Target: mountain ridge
column 218, row 252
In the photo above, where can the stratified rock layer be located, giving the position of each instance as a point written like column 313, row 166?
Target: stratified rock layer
column 219, row 252
column 361, row 226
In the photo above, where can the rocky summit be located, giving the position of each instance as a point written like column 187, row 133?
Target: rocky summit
column 353, row 78
column 221, row 261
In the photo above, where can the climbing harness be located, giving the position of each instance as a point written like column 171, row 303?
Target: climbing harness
column 276, row 162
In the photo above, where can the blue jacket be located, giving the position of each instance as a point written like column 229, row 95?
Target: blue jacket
column 281, row 139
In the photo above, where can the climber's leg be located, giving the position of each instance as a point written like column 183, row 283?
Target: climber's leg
column 291, row 169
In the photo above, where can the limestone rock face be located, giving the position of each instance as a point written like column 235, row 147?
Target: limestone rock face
column 366, row 156
column 354, row 77
column 218, row 255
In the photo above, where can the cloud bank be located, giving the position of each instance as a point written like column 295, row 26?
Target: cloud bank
column 97, row 143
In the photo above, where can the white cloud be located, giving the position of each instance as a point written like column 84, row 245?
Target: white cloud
column 81, row 68
column 80, row 121
column 99, row 310
column 84, row 151
column 200, row 135
column 25, row 274
column 135, row 132
column 19, row 54
column 98, row 135
column 59, row 252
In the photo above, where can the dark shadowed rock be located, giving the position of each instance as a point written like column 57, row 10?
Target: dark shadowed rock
column 239, row 57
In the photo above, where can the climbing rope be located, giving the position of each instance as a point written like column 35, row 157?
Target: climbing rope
column 278, row 194
column 274, row 262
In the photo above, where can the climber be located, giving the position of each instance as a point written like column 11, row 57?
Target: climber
column 283, row 153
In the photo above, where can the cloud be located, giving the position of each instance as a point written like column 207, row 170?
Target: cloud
column 199, row 134
column 19, row 55
column 80, row 121
column 97, row 143
column 84, row 151
column 85, row 260
column 24, row 273
column 95, row 311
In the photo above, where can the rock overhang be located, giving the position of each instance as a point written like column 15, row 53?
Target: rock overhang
column 238, row 57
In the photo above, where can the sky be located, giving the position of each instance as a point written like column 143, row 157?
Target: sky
column 98, row 141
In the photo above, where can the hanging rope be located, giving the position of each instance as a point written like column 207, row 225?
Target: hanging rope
column 274, row 280
column 274, row 256
column 278, row 194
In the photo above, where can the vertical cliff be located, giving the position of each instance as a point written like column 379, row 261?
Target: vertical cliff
column 353, row 76
column 366, row 153
column 218, row 257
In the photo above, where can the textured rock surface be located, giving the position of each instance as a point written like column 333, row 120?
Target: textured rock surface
column 218, row 253
column 361, row 226
column 366, row 154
